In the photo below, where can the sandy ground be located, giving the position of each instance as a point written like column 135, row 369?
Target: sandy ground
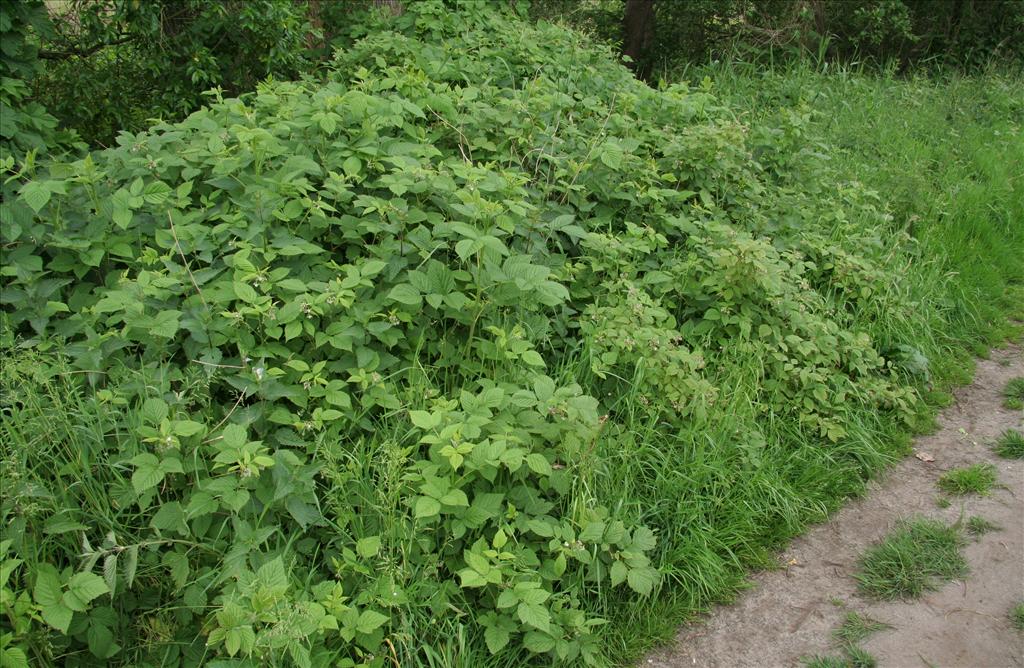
column 791, row 612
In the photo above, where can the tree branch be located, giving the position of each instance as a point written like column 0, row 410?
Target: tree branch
column 63, row 55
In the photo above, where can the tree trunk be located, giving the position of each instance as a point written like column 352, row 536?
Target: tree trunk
column 637, row 28
column 394, row 7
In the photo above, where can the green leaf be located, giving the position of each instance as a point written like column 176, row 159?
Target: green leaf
column 425, row 420
column 368, row 547
column 48, row 590
column 156, row 192
column 245, row 292
column 154, row 410
column 538, row 642
column 187, row 428
column 58, row 525
column 538, row 463
column 13, row 657
column 82, row 589
column 101, row 641
column 642, row 580
column 121, row 212
column 532, row 358
column 36, row 194
column 148, row 473
column 470, row 578
column 496, row 638
column 427, row 507
column 405, row 294
column 234, row 436
column 178, row 565
column 370, row 621
column 643, row 539
column 58, row 616
column 618, row 572
column 535, row 615
column 352, row 166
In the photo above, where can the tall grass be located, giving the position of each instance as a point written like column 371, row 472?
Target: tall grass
column 947, row 158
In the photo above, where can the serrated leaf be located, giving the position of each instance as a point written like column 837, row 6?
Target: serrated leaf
column 404, row 293
column 470, row 578
column 48, row 589
column 36, row 194
column 58, row 616
column 110, row 572
column 368, row 547
column 187, row 428
column 101, row 641
column 496, row 638
column 131, row 564
column 82, row 589
column 370, row 621
column 642, row 580
column 245, row 292
column 532, row 358
column 538, row 463
column 643, row 539
column 619, row 571
column 352, row 166
column 425, row 420
column 535, row 615
column 538, row 642
column 427, row 507
column 148, row 473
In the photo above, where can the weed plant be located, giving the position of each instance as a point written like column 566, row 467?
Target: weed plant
column 916, row 557
column 474, row 354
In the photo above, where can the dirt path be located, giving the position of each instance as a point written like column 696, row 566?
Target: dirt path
column 791, row 613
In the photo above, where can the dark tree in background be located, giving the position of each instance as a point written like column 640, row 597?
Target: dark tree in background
column 637, row 30
column 660, row 34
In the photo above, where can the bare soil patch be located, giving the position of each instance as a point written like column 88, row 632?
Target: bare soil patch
column 790, row 613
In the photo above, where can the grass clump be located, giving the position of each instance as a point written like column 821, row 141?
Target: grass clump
column 856, row 627
column 974, row 479
column 979, row 526
column 1017, row 616
column 826, row 662
column 918, row 556
column 855, row 657
column 1013, row 393
column 1010, row 444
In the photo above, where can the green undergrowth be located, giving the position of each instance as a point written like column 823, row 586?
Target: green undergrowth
column 474, row 354
column 917, row 557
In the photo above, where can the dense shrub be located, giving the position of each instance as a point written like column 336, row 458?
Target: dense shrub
column 349, row 363
column 25, row 125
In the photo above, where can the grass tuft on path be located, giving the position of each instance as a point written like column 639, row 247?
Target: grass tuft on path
column 1013, row 393
column 974, row 479
column 918, row 556
column 856, row 627
column 1010, row 444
